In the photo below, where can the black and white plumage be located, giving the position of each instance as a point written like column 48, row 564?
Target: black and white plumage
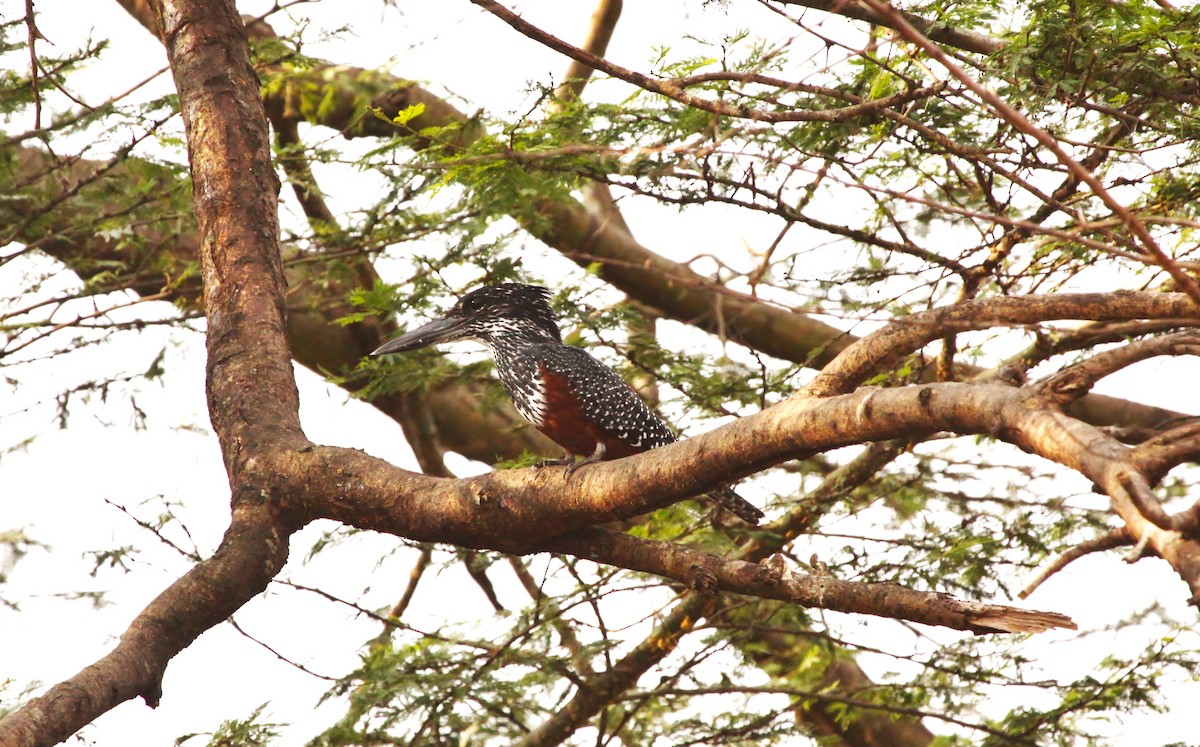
column 567, row 394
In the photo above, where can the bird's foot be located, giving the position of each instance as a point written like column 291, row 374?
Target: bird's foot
column 576, row 465
column 571, row 464
column 567, row 461
column 597, row 456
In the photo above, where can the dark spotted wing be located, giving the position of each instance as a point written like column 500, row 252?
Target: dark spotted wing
column 595, row 404
column 604, row 398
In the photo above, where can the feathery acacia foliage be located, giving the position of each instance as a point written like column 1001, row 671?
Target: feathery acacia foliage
column 913, row 240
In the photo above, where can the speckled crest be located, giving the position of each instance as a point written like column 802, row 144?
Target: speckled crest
column 507, row 309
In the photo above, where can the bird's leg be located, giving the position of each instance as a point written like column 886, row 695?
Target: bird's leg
column 569, row 459
column 596, row 456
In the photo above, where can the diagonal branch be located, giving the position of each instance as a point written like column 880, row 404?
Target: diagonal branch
column 604, row 21
column 1157, row 455
column 708, row 574
column 1001, row 107
column 877, row 351
column 250, row 555
column 621, row 677
column 860, row 11
column 1077, row 379
column 675, row 88
column 1107, row 541
column 597, row 196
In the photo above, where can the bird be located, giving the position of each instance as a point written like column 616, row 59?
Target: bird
column 577, row 401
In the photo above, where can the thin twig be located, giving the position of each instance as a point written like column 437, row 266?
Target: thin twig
column 414, row 577
column 1185, row 281
column 674, row 90
column 278, row 655
column 1108, row 541
column 34, row 67
column 566, row 634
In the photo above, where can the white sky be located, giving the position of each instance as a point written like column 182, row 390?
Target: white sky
column 58, row 489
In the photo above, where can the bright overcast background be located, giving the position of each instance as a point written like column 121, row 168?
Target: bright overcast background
column 66, row 487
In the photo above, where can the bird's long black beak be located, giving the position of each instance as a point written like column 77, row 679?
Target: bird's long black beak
column 439, row 330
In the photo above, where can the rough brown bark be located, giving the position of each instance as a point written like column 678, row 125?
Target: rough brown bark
column 280, row 480
column 234, row 188
column 518, row 510
column 965, row 40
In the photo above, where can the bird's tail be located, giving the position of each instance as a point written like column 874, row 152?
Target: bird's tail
column 737, row 505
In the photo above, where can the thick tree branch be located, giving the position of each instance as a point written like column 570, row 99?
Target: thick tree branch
column 1088, row 336
column 234, row 191
column 708, row 574
column 604, row 21
column 235, row 197
column 967, row 41
column 518, row 510
column 1157, row 455
column 596, row 195
column 1136, row 489
column 1182, row 552
column 252, row 552
column 1074, row 381
column 877, row 351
